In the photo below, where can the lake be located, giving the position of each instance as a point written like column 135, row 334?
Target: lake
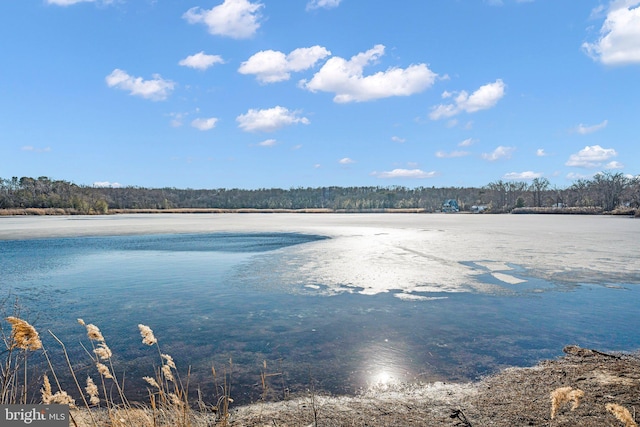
column 337, row 302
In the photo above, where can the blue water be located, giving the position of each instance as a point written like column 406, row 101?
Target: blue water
column 207, row 303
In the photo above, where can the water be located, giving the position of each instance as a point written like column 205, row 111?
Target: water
column 270, row 296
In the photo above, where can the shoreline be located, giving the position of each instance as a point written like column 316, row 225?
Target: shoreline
column 511, row 397
column 519, row 211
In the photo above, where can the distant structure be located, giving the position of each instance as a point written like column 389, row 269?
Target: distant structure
column 478, row 208
column 450, row 205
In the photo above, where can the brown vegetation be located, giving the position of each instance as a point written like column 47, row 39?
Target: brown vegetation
column 560, row 211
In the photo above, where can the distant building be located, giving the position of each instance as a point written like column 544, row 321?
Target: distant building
column 450, row 205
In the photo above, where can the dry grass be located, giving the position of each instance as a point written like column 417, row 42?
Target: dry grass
column 36, row 211
column 70, row 211
column 622, row 414
column 564, row 395
column 96, row 403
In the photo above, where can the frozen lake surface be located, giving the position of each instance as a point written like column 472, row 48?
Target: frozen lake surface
column 344, row 301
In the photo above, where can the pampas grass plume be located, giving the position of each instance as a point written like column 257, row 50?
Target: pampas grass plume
column 166, row 370
column 169, row 360
column 152, row 382
column 93, row 332
column 622, row 414
column 61, row 397
column 24, row 335
column 563, row 395
column 92, row 391
column 103, row 370
column 147, row 335
column 103, row 352
column 175, row 400
column 46, row 390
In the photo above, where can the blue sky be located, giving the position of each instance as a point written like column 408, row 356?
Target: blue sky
column 290, row 93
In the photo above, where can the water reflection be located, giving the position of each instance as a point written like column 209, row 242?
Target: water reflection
column 207, row 305
column 386, row 364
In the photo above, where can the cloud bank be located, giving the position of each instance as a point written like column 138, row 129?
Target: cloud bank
column 156, row 89
column 204, row 124
column 487, row 96
column 406, row 173
column 269, row 120
column 346, row 78
column 592, row 156
column 501, row 152
column 201, row 61
column 525, row 176
column 619, row 41
column 323, row 4
column 270, row 66
column 238, row 19
column 584, row 129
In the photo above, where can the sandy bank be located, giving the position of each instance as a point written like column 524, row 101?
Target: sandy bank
column 514, row 397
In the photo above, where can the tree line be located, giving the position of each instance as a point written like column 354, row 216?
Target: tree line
column 605, row 191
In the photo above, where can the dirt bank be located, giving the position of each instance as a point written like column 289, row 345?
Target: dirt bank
column 514, row 397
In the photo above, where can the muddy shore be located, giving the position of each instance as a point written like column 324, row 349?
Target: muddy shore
column 513, row 397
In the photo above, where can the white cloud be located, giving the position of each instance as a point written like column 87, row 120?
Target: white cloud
column 584, row 129
column 267, row 143
column 322, row 4
column 501, row 2
column 36, row 149
column 269, row 120
column 346, row 161
column 106, row 184
column 526, row 176
column 204, row 124
column 500, row 152
column 467, row 142
column 398, row 139
column 452, row 154
column 72, row 2
column 66, row 2
column 574, row 175
column 541, row 153
column 201, row 61
column 619, row 41
column 614, row 165
column 157, row 89
column 487, row 96
column 346, row 78
column 405, row 173
column 177, row 119
column 591, row 157
column 238, row 19
column 271, row 66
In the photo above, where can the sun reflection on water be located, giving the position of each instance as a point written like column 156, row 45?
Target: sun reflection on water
column 385, row 365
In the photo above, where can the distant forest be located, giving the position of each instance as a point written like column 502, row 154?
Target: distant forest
column 605, row 192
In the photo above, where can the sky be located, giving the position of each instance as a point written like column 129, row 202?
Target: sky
column 309, row 93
